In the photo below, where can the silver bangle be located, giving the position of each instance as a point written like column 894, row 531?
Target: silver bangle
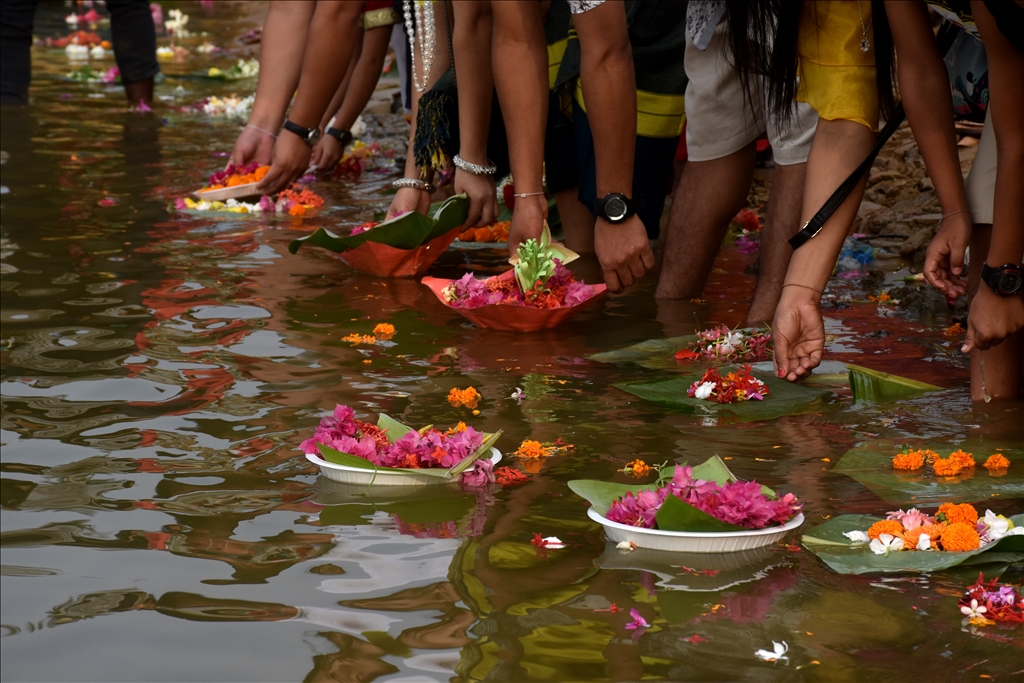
column 475, row 169
column 414, row 183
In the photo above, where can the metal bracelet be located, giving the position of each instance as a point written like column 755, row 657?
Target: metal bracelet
column 475, row 169
column 414, row 183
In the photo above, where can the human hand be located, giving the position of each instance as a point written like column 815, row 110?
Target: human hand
column 944, row 260
column 326, row 153
column 408, row 199
column 623, row 251
column 252, row 145
column 798, row 332
column 992, row 318
column 289, row 162
column 527, row 221
column 483, row 198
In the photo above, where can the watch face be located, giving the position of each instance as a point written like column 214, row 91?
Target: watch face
column 314, row 135
column 615, row 208
column 1009, row 281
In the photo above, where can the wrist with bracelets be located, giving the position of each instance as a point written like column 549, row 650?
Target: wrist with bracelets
column 413, row 184
column 474, row 169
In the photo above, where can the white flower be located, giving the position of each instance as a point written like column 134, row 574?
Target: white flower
column 998, row 526
column 975, row 610
column 924, row 542
column 74, row 51
column 779, row 653
column 704, row 390
column 553, row 542
column 97, row 52
column 886, row 543
column 518, row 395
column 71, row 19
column 856, row 536
column 627, row 546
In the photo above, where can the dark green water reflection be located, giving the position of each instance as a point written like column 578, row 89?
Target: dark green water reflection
column 159, row 524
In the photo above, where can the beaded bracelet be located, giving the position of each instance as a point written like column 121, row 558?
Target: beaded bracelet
column 475, row 169
column 413, row 183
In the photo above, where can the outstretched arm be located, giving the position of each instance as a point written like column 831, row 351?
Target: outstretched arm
column 609, row 90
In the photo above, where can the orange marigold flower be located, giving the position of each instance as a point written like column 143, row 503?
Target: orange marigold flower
column 964, row 513
column 996, row 461
column 886, row 526
column 964, row 460
column 913, row 460
column 638, row 468
column 960, row 537
column 954, row 330
column 384, row 331
column 882, row 298
column 467, row 398
column 946, row 467
column 934, row 531
column 532, row 449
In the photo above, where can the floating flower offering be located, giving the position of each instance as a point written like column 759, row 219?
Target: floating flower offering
column 532, row 450
column 721, row 344
column 749, row 224
column 990, row 603
column 736, row 386
column 231, row 106
column 538, row 293
column 497, row 232
column 914, row 540
column 464, row 398
column 243, row 69
column 233, row 176
column 391, row 447
column 225, row 186
column 959, row 462
column 87, row 74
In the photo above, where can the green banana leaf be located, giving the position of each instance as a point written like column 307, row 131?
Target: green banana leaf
column 785, row 398
column 601, row 494
column 871, row 465
column 677, row 515
column 407, row 231
column 874, row 385
column 842, row 556
column 395, row 430
column 656, row 354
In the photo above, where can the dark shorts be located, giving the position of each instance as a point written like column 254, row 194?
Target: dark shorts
column 569, row 162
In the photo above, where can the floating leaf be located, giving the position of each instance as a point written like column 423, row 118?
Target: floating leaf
column 871, row 465
column 656, row 354
column 785, row 398
column 874, row 385
column 407, row 231
column 841, row 555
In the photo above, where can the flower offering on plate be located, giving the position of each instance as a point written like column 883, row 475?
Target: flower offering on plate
column 538, row 293
column 737, row 385
column 722, row 345
column 390, row 453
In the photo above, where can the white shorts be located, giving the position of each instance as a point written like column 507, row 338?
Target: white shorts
column 720, row 121
column 980, row 184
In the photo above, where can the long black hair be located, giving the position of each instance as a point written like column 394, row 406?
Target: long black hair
column 764, row 36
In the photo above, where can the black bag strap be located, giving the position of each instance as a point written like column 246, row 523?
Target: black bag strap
column 946, row 37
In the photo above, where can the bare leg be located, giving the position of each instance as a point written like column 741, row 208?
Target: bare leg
column 1003, row 361
column 577, row 221
column 782, row 221
column 139, row 91
column 709, row 194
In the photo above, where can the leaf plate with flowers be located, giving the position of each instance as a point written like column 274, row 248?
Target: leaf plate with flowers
column 390, row 453
column 723, row 345
column 916, row 541
column 538, row 293
column 405, row 246
column 692, row 509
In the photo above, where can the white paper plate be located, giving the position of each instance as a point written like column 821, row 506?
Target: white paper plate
column 225, row 193
column 693, row 541
column 381, row 476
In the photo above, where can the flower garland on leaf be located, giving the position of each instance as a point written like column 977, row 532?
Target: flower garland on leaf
column 989, row 603
column 953, row 528
column 723, row 345
column 736, row 386
column 742, row 503
column 427, row 448
column 541, row 280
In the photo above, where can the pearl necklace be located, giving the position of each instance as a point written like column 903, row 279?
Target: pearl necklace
column 424, row 12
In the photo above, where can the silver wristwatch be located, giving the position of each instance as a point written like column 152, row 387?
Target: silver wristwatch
column 414, row 183
column 475, row 169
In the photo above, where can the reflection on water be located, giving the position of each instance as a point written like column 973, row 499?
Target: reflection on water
column 159, row 371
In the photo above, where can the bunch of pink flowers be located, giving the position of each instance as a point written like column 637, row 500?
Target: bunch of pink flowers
column 741, row 503
column 561, row 290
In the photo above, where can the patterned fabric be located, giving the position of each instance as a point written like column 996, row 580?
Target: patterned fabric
column 581, row 6
column 956, row 12
column 702, row 16
column 967, row 65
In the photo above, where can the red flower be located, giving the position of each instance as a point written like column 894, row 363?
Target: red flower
column 508, row 476
column 686, row 354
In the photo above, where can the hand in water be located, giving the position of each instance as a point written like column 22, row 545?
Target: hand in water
column 798, row 333
column 483, row 199
column 992, row 318
column 944, row 261
column 289, row 162
column 623, row 251
column 252, row 145
column 527, row 220
column 408, row 199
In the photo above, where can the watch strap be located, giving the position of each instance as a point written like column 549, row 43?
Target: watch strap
column 994, row 278
column 602, row 204
column 307, row 134
column 344, row 137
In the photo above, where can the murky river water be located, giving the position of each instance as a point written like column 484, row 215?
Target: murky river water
column 159, row 523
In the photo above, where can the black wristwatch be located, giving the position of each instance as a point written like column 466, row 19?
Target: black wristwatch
column 615, row 207
column 344, row 137
column 1005, row 280
column 309, row 135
